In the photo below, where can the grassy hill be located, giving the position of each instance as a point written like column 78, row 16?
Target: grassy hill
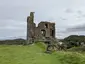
column 34, row 54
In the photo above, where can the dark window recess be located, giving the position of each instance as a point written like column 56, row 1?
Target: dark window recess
column 46, row 25
column 43, row 32
column 52, row 32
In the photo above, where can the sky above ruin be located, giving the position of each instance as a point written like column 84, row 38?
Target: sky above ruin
column 69, row 16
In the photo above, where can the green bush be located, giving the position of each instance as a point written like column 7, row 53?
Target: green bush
column 77, row 49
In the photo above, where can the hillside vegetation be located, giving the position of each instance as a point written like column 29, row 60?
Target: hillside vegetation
column 34, row 54
column 13, row 42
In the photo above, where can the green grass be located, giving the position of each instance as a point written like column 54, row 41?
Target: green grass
column 34, row 54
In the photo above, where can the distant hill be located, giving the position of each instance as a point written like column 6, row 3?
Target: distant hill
column 13, row 41
column 75, row 38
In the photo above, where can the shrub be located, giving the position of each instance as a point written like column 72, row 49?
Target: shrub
column 71, row 58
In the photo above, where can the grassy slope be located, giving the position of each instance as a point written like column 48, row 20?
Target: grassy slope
column 34, row 54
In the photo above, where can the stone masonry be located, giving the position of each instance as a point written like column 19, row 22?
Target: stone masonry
column 43, row 32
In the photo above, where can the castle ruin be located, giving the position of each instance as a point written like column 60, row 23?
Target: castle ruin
column 43, row 32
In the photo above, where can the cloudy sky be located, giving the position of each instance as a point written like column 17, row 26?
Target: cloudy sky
column 69, row 16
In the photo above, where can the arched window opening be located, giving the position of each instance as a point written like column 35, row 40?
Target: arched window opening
column 43, row 32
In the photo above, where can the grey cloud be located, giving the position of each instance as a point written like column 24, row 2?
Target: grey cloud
column 79, row 12
column 12, row 33
column 12, row 28
column 11, row 24
column 63, row 18
column 83, row 15
column 73, row 30
column 69, row 10
column 14, row 13
column 76, row 28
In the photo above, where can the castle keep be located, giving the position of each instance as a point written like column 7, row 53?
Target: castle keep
column 43, row 32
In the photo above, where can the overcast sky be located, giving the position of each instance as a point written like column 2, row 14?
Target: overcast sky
column 69, row 16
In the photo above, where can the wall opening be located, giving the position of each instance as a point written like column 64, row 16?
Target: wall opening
column 46, row 25
column 43, row 32
column 52, row 33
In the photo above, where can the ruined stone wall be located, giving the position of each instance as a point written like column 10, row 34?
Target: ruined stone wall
column 45, row 29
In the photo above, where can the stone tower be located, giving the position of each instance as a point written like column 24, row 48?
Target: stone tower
column 30, row 28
